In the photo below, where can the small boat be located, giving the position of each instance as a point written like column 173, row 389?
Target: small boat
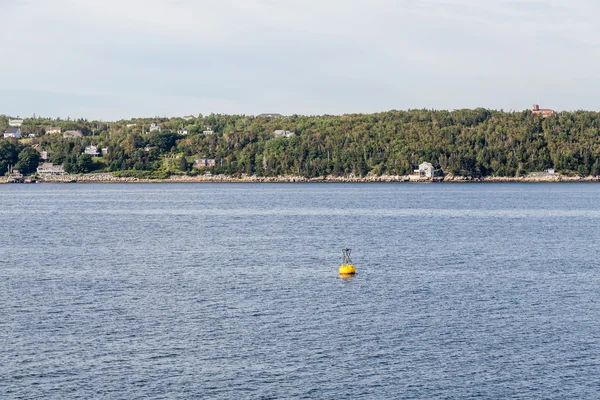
column 347, row 268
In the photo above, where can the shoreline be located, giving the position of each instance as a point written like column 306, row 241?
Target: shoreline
column 109, row 178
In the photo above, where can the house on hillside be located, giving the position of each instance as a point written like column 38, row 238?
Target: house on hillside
column 425, row 170
column 44, row 155
column 188, row 117
column 91, row 150
column 280, row 133
column 270, row 115
column 155, row 127
column 15, row 123
column 50, row 169
column 208, row 130
column 543, row 112
column 12, row 133
column 72, row 134
column 52, row 129
column 204, row 163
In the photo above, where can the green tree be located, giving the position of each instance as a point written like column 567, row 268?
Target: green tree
column 9, row 155
column 29, row 159
column 163, row 140
column 85, row 163
column 184, row 165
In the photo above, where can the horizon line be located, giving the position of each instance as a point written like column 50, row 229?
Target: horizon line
column 275, row 114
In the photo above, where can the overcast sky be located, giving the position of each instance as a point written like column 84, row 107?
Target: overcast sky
column 114, row 59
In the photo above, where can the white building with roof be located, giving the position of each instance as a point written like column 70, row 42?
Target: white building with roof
column 425, row 170
column 283, row 133
column 72, row 134
column 91, row 150
column 50, row 169
column 204, row 163
column 154, row 127
column 12, row 133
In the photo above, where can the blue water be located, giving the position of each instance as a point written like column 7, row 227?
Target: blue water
column 228, row 291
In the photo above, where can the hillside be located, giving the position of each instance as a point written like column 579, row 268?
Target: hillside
column 477, row 142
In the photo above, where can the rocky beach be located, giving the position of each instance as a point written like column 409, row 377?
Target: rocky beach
column 110, row 178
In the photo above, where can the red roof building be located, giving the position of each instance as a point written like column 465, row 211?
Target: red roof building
column 543, row 112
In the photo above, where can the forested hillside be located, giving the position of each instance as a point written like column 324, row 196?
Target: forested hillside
column 476, row 142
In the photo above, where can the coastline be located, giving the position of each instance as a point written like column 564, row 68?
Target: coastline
column 109, row 178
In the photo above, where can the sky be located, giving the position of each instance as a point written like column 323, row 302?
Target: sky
column 117, row 59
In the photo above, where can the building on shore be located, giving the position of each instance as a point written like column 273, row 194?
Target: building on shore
column 15, row 123
column 49, row 169
column 425, row 170
column 547, row 172
column 15, row 176
column 52, row 129
column 12, row 133
column 543, row 112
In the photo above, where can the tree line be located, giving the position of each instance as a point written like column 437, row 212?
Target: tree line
column 478, row 142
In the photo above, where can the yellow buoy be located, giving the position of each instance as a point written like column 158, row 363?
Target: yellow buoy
column 347, row 268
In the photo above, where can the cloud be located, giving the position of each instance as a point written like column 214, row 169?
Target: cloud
column 334, row 56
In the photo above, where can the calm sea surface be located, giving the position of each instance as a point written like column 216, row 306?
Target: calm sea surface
column 226, row 291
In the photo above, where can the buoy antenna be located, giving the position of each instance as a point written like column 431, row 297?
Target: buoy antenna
column 346, row 257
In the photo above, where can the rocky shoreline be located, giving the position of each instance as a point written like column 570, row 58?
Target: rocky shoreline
column 109, row 178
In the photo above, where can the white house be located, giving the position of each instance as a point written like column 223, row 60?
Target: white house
column 280, row 133
column 188, row 117
column 15, row 122
column 50, row 169
column 208, row 132
column 155, row 127
column 12, row 133
column 204, row 163
column 45, row 155
column 91, row 150
column 104, row 151
column 72, row 134
column 425, row 170
column 270, row 115
column 52, row 129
